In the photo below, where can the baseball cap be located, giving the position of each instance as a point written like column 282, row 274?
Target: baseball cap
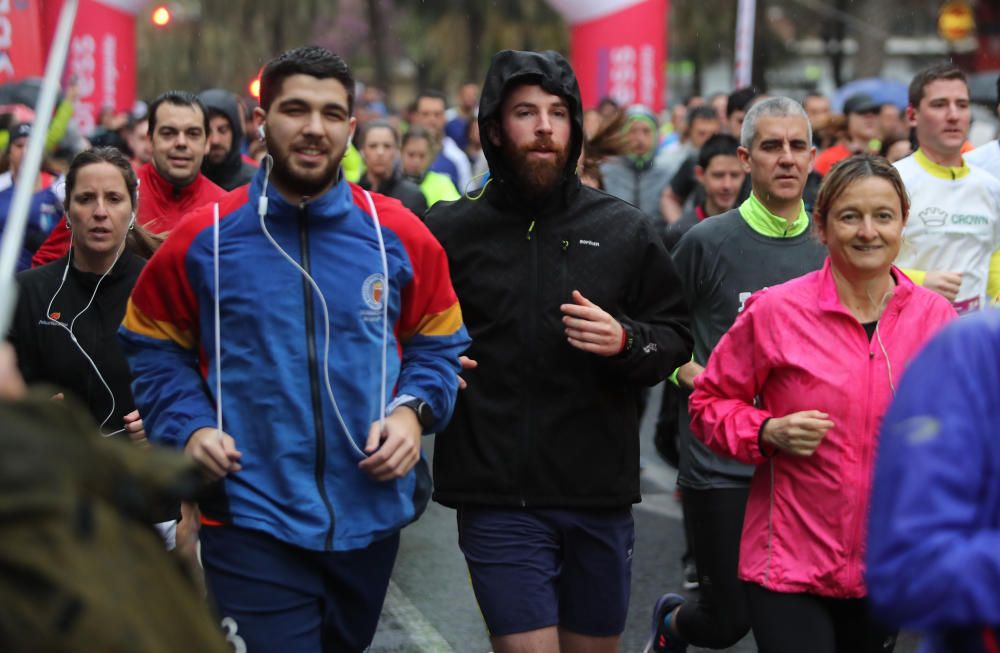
column 860, row 103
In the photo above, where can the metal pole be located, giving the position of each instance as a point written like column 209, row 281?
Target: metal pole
column 745, row 16
column 17, row 219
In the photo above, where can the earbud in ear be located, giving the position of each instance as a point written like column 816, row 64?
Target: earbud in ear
column 260, row 132
column 131, row 222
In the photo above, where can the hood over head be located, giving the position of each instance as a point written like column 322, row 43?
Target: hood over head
column 219, row 100
column 512, row 68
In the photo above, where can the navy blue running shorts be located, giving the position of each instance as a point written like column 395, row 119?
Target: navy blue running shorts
column 272, row 596
column 535, row 568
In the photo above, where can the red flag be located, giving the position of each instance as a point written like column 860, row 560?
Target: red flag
column 20, row 41
column 102, row 56
column 618, row 49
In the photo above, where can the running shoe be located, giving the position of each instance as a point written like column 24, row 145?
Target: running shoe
column 662, row 639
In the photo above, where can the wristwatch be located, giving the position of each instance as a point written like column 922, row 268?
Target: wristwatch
column 628, row 340
column 422, row 409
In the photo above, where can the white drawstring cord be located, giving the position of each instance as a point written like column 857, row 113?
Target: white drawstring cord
column 261, row 213
column 218, row 326
column 385, row 309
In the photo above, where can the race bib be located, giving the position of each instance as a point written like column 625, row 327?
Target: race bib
column 967, row 306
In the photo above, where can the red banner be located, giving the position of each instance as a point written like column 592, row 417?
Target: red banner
column 20, row 40
column 101, row 57
column 618, row 49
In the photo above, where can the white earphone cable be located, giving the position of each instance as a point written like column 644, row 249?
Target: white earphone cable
column 261, row 213
column 888, row 364
column 72, row 324
column 878, row 336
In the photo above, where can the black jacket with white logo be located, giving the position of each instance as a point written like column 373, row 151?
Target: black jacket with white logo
column 45, row 352
column 543, row 424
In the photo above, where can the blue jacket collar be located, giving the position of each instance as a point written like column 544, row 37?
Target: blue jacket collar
column 336, row 201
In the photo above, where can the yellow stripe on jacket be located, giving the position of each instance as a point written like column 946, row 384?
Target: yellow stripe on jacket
column 138, row 322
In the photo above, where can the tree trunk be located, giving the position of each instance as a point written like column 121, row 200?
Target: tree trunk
column 871, row 42
column 378, row 39
column 761, row 45
column 528, row 24
column 834, row 32
column 474, row 23
column 278, row 11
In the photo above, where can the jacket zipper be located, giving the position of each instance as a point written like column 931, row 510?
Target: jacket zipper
column 530, row 386
column 858, row 525
column 636, row 192
column 770, row 524
column 317, row 404
column 564, row 269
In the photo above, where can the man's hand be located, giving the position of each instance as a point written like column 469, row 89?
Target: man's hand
column 590, row 328
column 799, row 433
column 134, row 428
column 467, row 364
column 11, row 383
column 187, row 541
column 215, row 451
column 943, row 283
column 187, row 531
column 671, row 206
column 400, row 446
column 686, row 374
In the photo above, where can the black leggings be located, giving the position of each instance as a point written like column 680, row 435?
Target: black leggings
column 719, row 617
column 791, row 623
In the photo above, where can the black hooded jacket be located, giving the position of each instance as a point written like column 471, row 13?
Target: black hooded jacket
column 543, row 424
column 233, row 172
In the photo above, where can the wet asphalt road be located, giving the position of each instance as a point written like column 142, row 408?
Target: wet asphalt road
column 431, row 608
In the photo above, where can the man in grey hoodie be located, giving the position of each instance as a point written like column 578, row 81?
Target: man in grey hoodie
column 636, row 177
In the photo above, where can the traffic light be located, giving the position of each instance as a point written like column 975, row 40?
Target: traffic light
column 956, row 21
column 162, row 16
column 254, row 86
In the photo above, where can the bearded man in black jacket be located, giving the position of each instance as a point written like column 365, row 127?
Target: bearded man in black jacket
column 573, row 305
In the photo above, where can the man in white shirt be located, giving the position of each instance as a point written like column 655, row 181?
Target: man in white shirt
column 987, row 156
column 451, row 160
column 952, row 238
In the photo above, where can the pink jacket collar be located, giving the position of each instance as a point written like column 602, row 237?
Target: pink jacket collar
column 829, row 300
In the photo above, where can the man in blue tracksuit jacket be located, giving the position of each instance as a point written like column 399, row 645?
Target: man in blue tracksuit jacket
column 300, row 533
column 934, row 530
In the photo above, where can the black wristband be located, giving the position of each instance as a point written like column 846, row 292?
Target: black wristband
column 628, row 340
column 760, row 441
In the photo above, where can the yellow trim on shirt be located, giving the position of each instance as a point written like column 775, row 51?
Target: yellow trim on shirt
column 948, row 173
column 916, row 276
column 993, row 279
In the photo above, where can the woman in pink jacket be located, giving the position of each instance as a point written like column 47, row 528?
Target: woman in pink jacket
column 798, row 387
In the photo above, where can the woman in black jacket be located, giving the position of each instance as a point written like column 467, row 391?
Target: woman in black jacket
column 379, row 145
column 68, row 312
